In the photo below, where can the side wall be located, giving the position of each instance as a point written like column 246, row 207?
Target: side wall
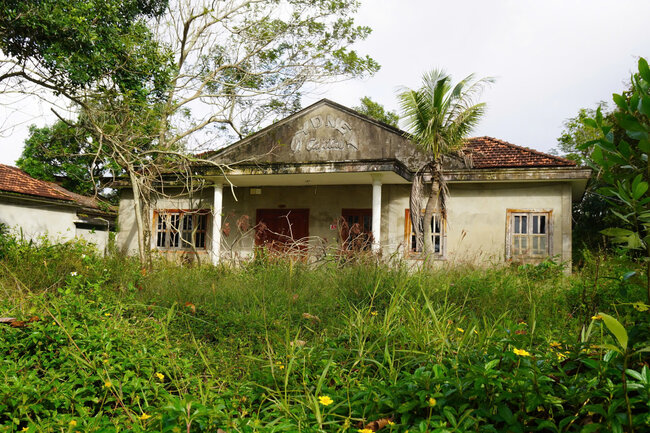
column 476, row 231
column 34, row 221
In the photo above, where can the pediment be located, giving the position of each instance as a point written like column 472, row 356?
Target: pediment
column 324, row 132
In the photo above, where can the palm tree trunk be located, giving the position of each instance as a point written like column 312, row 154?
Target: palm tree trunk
column 436, row 203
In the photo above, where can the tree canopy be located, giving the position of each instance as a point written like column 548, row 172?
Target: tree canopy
column 67, row 44
column 377, row 111
column 153, row 83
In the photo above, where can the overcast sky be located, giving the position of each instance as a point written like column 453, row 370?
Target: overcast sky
column 550, row 58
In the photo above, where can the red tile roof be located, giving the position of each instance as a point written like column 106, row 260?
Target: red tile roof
column 15, row 180
column 488, row 152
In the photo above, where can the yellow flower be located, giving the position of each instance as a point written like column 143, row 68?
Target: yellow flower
column 25, row 428
column 555, row 344
column 460, row 329
column 365, row 430
column 374, row 313
column 73, row 423
column 521, row 352
column 475, row 332
column 391, row 423
column 597, row 317
column 107, row 314
column 561, row 356
column 107, row 384
column 432, row 402
column 144, row 416
column 160, row 376
column 325, row 400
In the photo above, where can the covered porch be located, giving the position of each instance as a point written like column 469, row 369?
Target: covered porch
column 305, row 203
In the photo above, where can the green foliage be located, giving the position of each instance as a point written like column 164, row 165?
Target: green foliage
column 252, row 349
column 576, row 133
column 620, row 155
column 79, row 43
column 63, row 152
column 592, row 214
column 377, row 111
column 440, row 115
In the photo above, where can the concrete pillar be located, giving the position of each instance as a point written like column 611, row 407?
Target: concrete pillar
column 217, row 206
column 376, row 212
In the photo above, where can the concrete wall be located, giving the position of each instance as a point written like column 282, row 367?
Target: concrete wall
column 35, row 220
column 127, row 236
column 476, row 231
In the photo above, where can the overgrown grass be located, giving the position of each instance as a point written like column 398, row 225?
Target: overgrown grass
column 266, row 346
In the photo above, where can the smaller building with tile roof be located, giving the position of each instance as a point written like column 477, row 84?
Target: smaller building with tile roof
column 33, row 208
column 328, row 178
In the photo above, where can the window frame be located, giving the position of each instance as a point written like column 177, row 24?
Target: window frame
column 181, row 213
column 529, row 213
column 408, row 238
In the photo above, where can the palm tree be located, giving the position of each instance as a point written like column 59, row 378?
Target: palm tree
column 440, row 116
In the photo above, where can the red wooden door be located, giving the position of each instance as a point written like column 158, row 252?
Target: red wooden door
column 279, row 228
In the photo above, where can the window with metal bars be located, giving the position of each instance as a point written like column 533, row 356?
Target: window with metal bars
column 181, row 230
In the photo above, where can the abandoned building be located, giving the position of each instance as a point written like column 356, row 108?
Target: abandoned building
column 313, row 178
column 33, row 209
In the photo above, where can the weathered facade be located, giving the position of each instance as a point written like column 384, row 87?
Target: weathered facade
column 327, row 174
column 33, row 209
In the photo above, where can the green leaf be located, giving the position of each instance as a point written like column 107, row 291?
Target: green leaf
column 639, row 190
column 644, row 145
column 634, row 374
column 631, row 124
column 644, row 105
column 617, row 329
column 610, row 347
column 590, row 123
column 490, row 365
column 620, row 101
column 590, row 428
column 644, row 71
column 616, row 232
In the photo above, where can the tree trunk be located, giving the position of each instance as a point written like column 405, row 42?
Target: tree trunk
column 436, row 203
column 142, row 208
column 135, row 187
column 429, row 211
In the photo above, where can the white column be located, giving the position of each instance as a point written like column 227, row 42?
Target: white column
column 376, row 212
column 217, row 205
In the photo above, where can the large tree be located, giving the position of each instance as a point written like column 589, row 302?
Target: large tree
column 440, row 116
column 62, row 153
column 592, row 214
column 67, row 45
column 217, row 70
